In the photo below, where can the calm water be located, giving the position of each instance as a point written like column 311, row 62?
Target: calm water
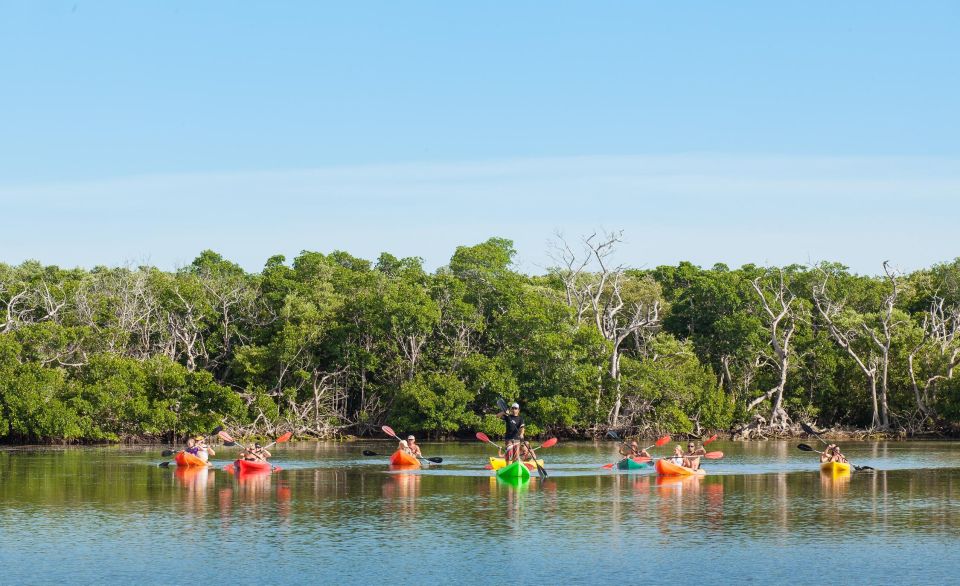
column 110, row 515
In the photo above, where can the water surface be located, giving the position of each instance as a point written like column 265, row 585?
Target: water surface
column 331, row 515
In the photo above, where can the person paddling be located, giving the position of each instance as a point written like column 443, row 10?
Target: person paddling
column 411, row 447
column 192, row 448
column 832, row 454
column 255, row 453
column 203, row 450
column 691, row 458
column 633, row 451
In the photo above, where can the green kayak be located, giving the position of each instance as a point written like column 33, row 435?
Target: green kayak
column 514, row 470
column 630, row 464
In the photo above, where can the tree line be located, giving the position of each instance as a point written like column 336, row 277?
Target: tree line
column 332, row 344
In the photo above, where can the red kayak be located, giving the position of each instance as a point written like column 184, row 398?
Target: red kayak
column 252, row 466
column 401, row 458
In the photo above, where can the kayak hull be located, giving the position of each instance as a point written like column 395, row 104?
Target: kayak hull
column 514, row 470
column 666, row 468
column 498, row 463
column 252, row 466
column 184, row 459
column 401, row 458
column 835, row 467
column 631, row 464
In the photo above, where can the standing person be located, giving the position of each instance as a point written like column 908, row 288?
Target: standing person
column 692, row 456
column 514, row 430
column 514, row 423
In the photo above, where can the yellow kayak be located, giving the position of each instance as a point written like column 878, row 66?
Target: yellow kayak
column 498, row 463
column 835, row 467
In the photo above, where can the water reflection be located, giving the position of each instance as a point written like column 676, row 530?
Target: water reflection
column 596, row 523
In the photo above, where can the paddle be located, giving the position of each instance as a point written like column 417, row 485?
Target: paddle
column 707, row 441
column 389, row 431
column 810, row 431
column 369, row 453
column 483, row 437
column 657, row 444
column 540, row 469
column 806, row 448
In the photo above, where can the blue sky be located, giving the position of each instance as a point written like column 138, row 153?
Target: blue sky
column 712, row 132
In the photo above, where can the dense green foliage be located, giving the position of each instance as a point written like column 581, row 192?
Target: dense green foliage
column 334, row 344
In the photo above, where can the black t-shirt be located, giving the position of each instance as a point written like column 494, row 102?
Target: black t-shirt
column 514, row 423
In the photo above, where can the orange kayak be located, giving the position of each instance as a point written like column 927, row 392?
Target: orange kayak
column 185, row 459
column 667, row 468
column 401, row 458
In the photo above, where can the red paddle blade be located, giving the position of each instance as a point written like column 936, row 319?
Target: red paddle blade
column 285, row 437
column 641, row 459
column 225, row 436
column 550, row 442
column 712, row 437
column 388, row 430
column 483, row 437
column 713, row 455
column 662, row 440
column 608, row 466
column 488, row 467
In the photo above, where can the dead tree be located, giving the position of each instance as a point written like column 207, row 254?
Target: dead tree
column 595, row 287
column 941, row 326
column 875, row 361
column 781, row 320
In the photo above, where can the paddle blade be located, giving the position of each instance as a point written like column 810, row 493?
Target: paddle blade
column 285, row 437
column 613, row 435
column 808, row 429
column 167, row 453
column 663, row 440
column 216, row 430
column 713, row 455
column 436, row 460
column 805, row 448
column 164, row 464
column 502, row 404
column 488, row 467
column 388, row 430
column 229, row 444
column 641, row 459
column 550, row 442
column 369, row 453
column 609, row 466
column 226, row 437
column 483, row 437
column 707, row 441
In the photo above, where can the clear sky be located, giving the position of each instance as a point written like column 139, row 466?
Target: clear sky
column 764, row 132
